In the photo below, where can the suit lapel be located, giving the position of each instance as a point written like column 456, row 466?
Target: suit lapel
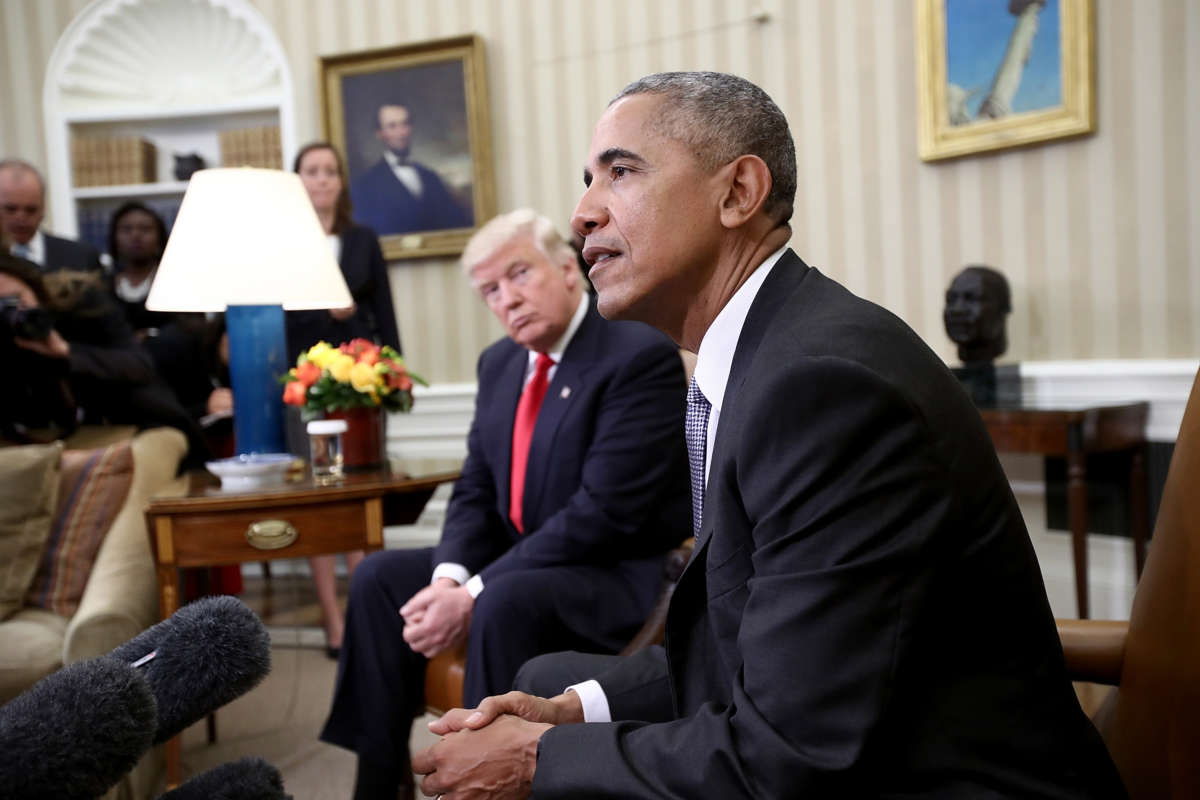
column 508, row 394
column 774, row 292
column 569, row 380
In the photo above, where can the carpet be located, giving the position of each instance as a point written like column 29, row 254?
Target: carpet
column 279, row 721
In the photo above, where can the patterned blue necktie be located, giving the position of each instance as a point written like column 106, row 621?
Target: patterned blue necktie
column 696, row 433
column 21, row 251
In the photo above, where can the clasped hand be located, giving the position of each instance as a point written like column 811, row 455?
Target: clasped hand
column 438, row 617
column 491, row 751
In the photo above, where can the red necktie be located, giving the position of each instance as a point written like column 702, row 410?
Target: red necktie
column 523, row 424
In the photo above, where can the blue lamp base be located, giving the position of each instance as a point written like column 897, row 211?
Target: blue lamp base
column 257, row 357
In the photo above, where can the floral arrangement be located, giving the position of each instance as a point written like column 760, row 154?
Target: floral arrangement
column 356, row 374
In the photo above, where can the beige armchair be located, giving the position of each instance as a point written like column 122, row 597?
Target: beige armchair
column 121, row 596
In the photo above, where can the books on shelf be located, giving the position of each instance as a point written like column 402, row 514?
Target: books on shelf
column 113, row 160
column 251, row 147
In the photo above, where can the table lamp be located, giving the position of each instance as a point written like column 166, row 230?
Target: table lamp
column 247, row 242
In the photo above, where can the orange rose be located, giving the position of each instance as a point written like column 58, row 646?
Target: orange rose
column 307, row 373
column 369, row 357
column 294, row 393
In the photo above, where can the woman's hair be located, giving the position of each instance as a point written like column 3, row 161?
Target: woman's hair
column 127, row 208
column 342, row 211
column 27, row 273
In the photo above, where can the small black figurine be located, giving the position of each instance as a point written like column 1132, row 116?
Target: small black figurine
column 186, row 164
column 977, row 304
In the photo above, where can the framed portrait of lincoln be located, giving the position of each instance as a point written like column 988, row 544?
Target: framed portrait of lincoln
column 413, row 124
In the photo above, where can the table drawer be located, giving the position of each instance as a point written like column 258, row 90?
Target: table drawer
column 221, row 537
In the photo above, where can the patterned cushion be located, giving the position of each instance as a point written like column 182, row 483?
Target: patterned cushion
column 92, row 490
column 28, row 495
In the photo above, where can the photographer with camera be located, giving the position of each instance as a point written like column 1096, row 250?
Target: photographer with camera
column 75, row 360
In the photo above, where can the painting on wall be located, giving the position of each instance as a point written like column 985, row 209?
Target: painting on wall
column 994, row 74
column 413, row 124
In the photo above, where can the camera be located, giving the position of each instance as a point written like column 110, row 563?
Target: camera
column 23, row 323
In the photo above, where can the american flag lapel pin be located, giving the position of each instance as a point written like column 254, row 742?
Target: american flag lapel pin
column 565, row 393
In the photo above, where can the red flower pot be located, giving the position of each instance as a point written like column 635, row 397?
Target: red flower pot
column 363, row 441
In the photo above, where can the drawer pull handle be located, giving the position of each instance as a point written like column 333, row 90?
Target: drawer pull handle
column 271, row 534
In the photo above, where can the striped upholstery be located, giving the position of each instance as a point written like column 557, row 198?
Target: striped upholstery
column 92, row 490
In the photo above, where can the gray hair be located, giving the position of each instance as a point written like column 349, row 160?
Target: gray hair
column 19, row 167
column 502, row 229
column 721, row 117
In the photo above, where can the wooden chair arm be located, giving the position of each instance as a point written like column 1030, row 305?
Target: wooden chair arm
column 655, row 626
column 1094, row 650
column 444, row 672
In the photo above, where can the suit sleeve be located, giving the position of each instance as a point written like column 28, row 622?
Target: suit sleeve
column 636, row 454
column 103, row 345
column 381, row 296
column 841, row 493
column 473, row 533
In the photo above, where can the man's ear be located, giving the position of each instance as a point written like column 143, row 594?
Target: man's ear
column 747, row 182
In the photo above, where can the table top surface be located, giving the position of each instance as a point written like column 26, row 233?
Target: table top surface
column 1049, row 407
column 204, row 489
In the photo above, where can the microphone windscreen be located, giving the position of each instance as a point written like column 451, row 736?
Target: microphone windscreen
column 76, row 732
column 205, row 654
column 245, row 779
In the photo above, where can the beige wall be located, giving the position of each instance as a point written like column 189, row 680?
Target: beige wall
column 1100, row 237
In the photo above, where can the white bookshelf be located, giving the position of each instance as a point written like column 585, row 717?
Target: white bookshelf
column 186, row 72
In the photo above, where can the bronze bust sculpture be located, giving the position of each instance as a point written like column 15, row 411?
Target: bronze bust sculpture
column 977, row 303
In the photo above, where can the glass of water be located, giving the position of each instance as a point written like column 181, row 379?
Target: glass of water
column 325, row 449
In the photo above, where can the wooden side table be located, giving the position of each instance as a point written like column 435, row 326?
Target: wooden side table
column 209, row 527
column 1073, row 434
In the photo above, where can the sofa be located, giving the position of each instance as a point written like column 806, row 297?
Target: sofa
column 119, row 593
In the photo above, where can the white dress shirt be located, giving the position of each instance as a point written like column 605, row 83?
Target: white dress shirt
column 713, row 362
column 457, row 572
column 35, row 249
column 405, row 173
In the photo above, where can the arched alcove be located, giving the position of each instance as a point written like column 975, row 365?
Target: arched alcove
column 174, row 72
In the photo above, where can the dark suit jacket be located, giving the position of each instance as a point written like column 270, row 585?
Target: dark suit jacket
column 864, row 615
column 607, row 475
column 382, row 202
column 69, row 254
column 366, row 276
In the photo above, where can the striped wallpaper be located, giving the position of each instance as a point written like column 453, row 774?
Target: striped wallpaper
column 1100, row 237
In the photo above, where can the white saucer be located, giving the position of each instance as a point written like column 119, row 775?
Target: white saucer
column 251, row 471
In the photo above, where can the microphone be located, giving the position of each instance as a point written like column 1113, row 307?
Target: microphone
column 244, row 779
column 207, row 653
column 76, row 732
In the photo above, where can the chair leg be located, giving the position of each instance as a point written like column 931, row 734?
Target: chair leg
column 266, row 567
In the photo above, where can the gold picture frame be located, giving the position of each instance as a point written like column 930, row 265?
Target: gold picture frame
column 985, row 116
column 437, row 91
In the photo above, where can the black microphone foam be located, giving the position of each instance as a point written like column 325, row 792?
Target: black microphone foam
column 204, row 655
column 75, row 732
column 244, row 779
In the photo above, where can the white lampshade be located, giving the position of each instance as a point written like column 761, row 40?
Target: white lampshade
column 247, row 236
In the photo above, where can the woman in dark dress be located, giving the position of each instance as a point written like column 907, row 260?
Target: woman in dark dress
column 371, row 316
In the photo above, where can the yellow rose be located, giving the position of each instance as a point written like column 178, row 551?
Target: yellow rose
column 322, row 354
column 362, row 378
column 339, row 366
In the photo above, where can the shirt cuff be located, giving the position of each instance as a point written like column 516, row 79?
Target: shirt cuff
column 593, row 700
column 474, row 586
column 455, row 572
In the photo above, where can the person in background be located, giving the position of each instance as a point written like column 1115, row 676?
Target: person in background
column 136, row 238
column 22, row 208
column 371, row 316
column 79, row 362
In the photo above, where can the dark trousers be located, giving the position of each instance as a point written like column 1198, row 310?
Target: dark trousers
column 521, row 614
